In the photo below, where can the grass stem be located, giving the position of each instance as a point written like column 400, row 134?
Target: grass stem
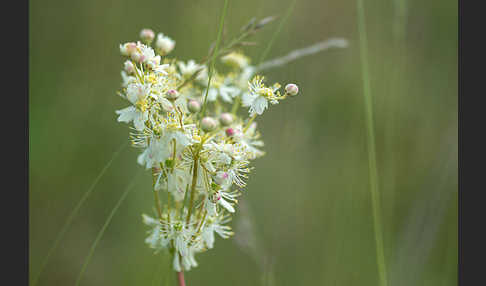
column 211, row 63
column 103, row 229
column 73, row 213
column 372, row 167
column 274, row 36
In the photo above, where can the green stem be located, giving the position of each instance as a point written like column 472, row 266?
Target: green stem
column 193, row 188
column 274, row 36
column 211, row 64
column 234, row 109
column 249, row 122
column 184, row 202
column 156, row 194
column 372, row 167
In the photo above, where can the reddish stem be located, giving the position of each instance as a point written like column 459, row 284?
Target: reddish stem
column 180, row 278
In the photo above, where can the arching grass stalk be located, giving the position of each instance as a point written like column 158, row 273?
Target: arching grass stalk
column 265, row 52
column 299, row 53
column 279, row 28
column 103, row 229
column 73, row 213
column 372, row 168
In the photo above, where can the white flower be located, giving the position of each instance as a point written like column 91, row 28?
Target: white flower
column 249, row 140
column 162, row 69
column 187, row 70
column 155, row 239
column 224, row 198
column 222, row 178
column 259, row 96
column 220, row 153
column 164, row 44
column 238, row 172
column 133, row 114
column 210, row 206
column 177, row 181
column 216, row 224
column 127, row 79
column 223, row 88
column 161, row 148
column 152, row 155
column 257, row 103
column 188, row 261
column 148, row 55
column 138, row 95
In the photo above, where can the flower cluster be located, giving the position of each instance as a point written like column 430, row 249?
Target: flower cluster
column 187, row 124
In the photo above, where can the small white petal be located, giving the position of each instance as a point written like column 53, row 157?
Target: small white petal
column 226, row 205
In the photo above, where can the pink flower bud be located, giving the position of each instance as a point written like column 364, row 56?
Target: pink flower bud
column 172, row 94
column 230, row 132
column 147, row 35
column 208, row 124
column 137, row 57
column 291, row 89
column 221, row 178
column 216, row 197
column 128, row 48
column 129, row 67
column 226, row 119
column 193, row 106
column 131, row 48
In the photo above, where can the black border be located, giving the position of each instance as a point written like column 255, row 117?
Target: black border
column 471, row 250
column 14, row 210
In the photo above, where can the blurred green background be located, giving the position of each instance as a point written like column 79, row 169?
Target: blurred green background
column 306, row 217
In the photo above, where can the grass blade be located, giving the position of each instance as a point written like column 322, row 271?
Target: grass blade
column 211, row 63
column 372, row 168
column 279, row 28
column 75, row 211
column 103, row 229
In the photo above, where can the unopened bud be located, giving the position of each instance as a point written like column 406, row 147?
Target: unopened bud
column 291, row 89
column 208, row 124
column 194, row 106
column 164, row 44
column 230, row 132
column 216, row 197
column 147, row 35
column 226, row 119
column 129, row 67
column 221, row 178
column 137, row 57
column 128, row 48
column 172, row 94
